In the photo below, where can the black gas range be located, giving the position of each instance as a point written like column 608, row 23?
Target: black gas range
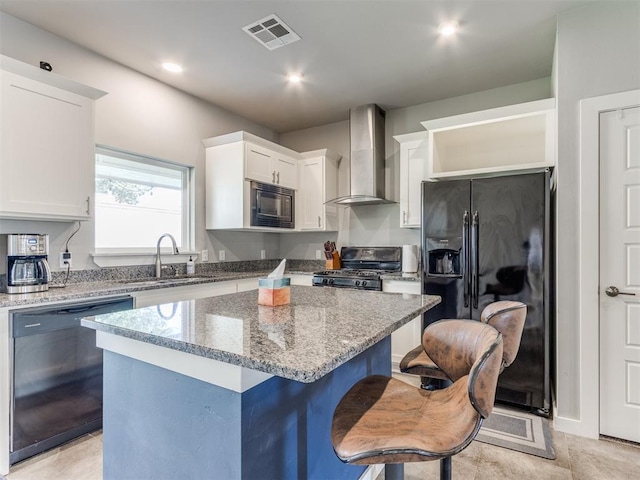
column 362, row 268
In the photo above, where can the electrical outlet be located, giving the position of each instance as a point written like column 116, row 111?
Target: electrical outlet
column 65, row 259
column 318, row 255
column 263, row 254
column 204, row 255
column 221, row 255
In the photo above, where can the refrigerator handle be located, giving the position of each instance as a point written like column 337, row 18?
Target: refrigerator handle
column 465, row 257
column 475, row 260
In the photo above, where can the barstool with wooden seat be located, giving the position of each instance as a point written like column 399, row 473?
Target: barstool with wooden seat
column 507, row 317
column 385, row 420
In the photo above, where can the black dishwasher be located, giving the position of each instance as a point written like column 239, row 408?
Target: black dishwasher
column 56, row 384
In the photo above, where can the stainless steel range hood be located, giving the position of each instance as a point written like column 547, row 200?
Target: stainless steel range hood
column 366, row 132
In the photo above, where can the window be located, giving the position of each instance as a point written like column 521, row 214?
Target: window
column 138, row 199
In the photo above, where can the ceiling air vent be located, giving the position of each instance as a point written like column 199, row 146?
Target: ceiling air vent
column 271, row 32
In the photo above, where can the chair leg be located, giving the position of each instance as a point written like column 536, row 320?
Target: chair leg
column 394, row 471
column 445, row 468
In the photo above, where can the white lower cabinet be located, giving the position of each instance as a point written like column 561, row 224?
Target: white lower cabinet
column 408, row 336
column 247, row 284
column 301, row 279
column 191, row 292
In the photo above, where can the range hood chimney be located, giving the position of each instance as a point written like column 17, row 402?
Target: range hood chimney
column 366, row 132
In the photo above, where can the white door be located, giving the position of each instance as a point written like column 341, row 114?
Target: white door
column 620, row 272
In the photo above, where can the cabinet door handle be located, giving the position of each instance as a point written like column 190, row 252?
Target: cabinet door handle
column 273, row 177
column 404, row 217
column 88, row 205
column 319, row 221
column 260, row 153
column 278, row 177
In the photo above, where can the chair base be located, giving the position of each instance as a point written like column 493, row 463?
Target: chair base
column 394, row 471
column 445, row 468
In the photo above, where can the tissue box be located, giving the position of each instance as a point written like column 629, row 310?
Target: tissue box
column 274, row 291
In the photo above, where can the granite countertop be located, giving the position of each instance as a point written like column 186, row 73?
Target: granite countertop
column 405, row 277
column 318, row 331
column 89, row 289
column 80, row 290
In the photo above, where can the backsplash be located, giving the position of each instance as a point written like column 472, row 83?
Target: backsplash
column 145, row 271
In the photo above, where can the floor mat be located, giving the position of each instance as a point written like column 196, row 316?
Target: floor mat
column 517, row 430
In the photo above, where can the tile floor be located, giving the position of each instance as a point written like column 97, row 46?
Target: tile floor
column 577, row 458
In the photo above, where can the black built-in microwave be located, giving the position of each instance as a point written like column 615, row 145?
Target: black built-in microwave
column 272, row 206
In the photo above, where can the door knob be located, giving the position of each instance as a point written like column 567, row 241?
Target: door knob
column 614, row 292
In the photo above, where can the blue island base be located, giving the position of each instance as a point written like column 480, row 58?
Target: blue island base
column 159, row 424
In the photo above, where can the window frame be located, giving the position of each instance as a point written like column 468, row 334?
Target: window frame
column 188, row 210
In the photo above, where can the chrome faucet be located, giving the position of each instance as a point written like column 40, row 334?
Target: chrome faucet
column 158, row 262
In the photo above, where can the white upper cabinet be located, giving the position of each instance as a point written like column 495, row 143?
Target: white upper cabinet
column 47, row 157
column 318, row 183
column 286, row 169
column 227, row 202
column 257, row 163
column 232, row 161
column 516, row 137
column 269, row 166
column 414, row 154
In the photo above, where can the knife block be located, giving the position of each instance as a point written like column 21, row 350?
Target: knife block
column 334, row 262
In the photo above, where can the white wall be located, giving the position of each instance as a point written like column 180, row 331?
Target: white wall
column 380, row 224
column 140, row 115
column 597, row 53
column 145, row 116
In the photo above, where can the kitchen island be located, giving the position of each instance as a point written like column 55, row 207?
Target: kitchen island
column 221, row 387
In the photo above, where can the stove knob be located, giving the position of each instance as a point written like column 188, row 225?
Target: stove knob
column 324, row 281
column 331, row 281
column 358, row 283
column 364, row 283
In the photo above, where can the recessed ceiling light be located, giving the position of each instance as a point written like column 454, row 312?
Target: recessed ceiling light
column 447, row 29
column 172, row 67
column 295, row 78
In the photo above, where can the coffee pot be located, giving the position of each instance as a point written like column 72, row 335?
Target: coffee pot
column 27, row 266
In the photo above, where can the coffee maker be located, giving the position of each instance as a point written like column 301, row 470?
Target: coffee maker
column 27, row 267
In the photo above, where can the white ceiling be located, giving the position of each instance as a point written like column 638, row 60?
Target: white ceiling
column 351, row 52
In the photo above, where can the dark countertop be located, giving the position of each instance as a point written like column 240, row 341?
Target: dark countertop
column 320, row 329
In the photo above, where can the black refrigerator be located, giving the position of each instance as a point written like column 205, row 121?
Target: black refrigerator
column 488, row 239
